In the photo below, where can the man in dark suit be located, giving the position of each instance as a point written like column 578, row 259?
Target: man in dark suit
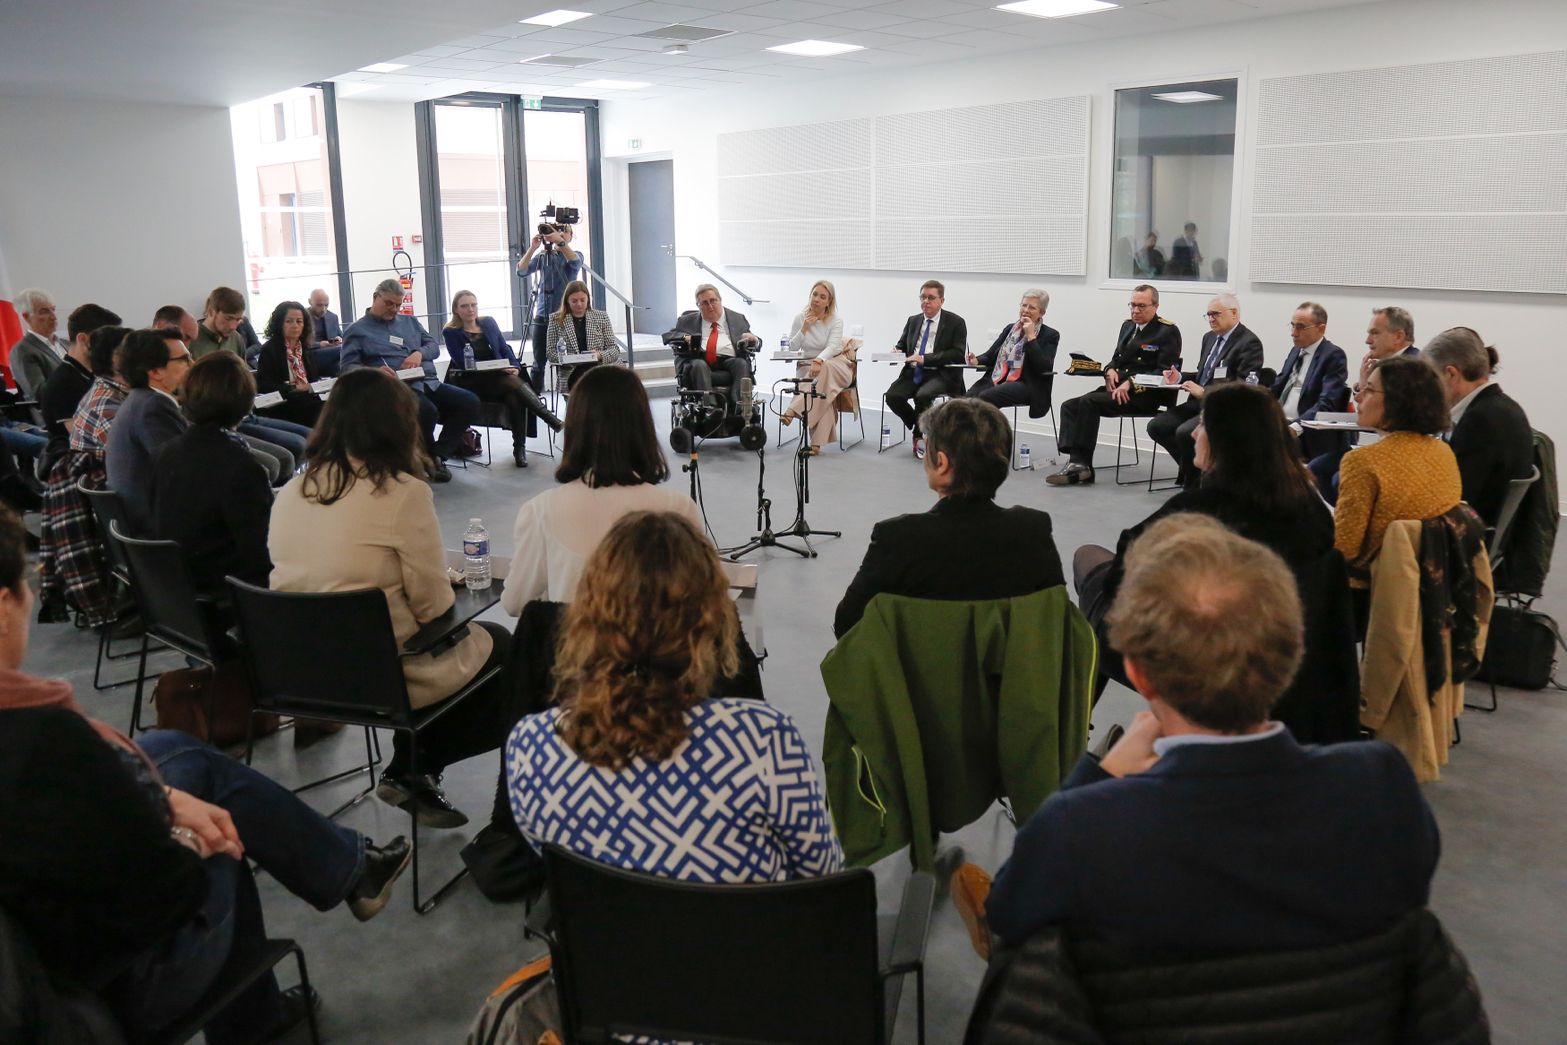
column 1207, row 827
column 713, row 345
column 1391, row 333
column 1491, row 437
column 1019, row 369
column 1315, row 377
column 154, row 364
column 936, row 344
column 967, row 546
column 1230, row 352
column 1147, row 344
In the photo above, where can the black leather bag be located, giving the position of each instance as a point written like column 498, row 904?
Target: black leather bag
column 1521, row 649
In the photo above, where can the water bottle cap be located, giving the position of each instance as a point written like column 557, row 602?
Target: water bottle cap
column 475, row 521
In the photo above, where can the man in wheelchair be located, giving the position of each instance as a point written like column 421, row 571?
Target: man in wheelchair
column 713, row 349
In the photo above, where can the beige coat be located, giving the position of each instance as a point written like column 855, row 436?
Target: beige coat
column 390, row 540
column 1394, row 701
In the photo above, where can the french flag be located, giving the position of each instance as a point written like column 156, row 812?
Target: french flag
column 10, row 323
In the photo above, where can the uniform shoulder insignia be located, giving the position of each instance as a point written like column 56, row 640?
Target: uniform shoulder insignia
column 1167, row 322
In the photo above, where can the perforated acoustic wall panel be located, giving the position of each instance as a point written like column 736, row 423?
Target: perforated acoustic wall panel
column 990, row 188
column 1447, row 176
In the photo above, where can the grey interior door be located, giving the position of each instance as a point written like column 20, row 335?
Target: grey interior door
column 652, row 197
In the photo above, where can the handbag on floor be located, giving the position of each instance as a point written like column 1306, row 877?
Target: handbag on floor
column 1520, row 650
column 210, row 704
column 523, row 1010
column 471, row 444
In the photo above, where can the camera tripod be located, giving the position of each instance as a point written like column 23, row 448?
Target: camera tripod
column 800, row 528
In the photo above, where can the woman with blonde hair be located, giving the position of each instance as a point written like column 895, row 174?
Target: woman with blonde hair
column 817, row 332
column 578, row 328
column 642, row 648
column 507, row 385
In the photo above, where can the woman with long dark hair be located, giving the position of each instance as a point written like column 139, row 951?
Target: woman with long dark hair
column 361, row 516
column 467, row 331
column 287, row 365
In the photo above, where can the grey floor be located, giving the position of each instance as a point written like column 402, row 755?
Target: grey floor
column 1501, row 888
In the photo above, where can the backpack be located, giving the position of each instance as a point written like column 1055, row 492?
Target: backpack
column 523, row 1010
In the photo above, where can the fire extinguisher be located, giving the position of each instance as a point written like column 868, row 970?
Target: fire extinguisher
column 405, row 276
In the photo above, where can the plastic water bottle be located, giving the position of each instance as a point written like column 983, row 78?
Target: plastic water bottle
column 467, row 356
column 1251, row 378
column 476, row 556
column 783, row 346
column 1023, row 459
column 886, row 436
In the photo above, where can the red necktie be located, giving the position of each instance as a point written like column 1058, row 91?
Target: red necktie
column 712, row 345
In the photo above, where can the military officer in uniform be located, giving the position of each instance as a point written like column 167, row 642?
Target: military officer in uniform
column 1147, row 344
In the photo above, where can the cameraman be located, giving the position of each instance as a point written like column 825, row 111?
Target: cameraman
column 557, row 265
column 713, row 340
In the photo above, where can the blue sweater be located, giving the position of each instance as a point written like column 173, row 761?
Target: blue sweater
column 376, row 342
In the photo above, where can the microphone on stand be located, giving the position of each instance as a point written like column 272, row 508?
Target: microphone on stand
column 745, row 399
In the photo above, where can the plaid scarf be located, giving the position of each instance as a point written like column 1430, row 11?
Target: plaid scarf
column 1450, row 594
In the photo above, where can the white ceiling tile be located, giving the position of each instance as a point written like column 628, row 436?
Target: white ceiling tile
column 988, row 18
column 744, row 22
column 664, row 14
column 1123, row 21
column 467, row 42
column 923, row 8
column 790, row 10
column 438, row 51
column 1197, row 12
column 863, row 19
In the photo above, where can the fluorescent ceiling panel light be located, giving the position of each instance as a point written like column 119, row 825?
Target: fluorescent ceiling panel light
column 816, row 48
column 1188, row 97
column 616, row 85
column 1056, row 8
column 554, row 18
column 382, row 67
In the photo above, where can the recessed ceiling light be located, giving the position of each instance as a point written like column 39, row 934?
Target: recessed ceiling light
column 1056, row 8
column 348, row 90
column 677, row 49
column 616, row 85
column 554, row 18
column 816, row 48
column 1188, row 97
column 381, row 67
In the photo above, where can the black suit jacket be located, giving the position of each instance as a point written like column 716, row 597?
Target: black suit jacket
column 146, row 421
column 272, row 369
column 1250, row 845
column 692, row 323
column 1242, row 355
column 1494, row 444
column 963, row 548
column 57, row 402
column 1039, row 364
column 210, row 495
column 1326, row 384
column 951, row 347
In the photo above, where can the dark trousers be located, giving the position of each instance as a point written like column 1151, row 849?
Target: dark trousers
column 1080, row 419
column 1324, row 469
column 1174, row 430
column 454, row 408
column 1090, row 570
column 909, row 401
column 302, row 409
column 541, row 326
column 1003, row 396
column 695, row 373
column 514, row 393
column 478, row 724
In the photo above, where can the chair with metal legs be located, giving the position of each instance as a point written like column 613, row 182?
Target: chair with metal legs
column 1496, row 548
column 108, row 508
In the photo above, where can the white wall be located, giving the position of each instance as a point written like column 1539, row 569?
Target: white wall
column 380, row 194
column 130, row 205
column 1087, row 311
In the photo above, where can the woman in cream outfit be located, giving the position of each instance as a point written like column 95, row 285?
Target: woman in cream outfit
column 818, row 333
column 611, row 466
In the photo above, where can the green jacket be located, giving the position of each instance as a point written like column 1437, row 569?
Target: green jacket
column 207, row 342
column 938, row 708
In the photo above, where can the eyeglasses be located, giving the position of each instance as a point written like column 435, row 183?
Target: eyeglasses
column 929, row 297
column 1366, row 390
column 1302, row 326
column 1134, row 306
column 185, row 358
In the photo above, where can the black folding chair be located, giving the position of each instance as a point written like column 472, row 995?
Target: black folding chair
column 172, row 611
column 1496, row 547
column 234, row 979
column 353, row 673
column 108, row 508
column 804, row 961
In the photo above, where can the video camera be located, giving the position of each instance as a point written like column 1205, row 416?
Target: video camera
column 565, row 217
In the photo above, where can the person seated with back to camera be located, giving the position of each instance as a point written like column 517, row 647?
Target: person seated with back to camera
column 468, row 331
column 1390, row 333
column 642, row 649
column 359, row 517
column 1492, row 438
column 288, row 365
column 966, row 546
column 611, row 465
column 1207, row 828
column 1019, row 368
column 578, row 328
column 1253, row 481
column 934, row 341
column 817, row 335
column 713, row 338
column 1147, row 344
column 91, row 818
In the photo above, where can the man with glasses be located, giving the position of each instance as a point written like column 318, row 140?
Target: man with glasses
column 154, row 364
column 1315, row 377
column 385, row 338
column 935, row 342
column 1147, row 344
column 1230, row 352
column 1390, row 333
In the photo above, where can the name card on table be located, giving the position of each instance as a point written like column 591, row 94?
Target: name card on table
column 267, row 399
column 889, row 357
column 413, row 373
column 490, row 364
column 323, row 386
column 1150, row 381
column 578, row 357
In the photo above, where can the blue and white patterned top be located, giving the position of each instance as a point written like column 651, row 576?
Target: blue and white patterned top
column 737, row 802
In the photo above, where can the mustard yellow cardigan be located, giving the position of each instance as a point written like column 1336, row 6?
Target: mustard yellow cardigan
column 1402, row 476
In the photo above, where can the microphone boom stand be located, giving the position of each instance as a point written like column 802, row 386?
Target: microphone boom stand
column 800, row 528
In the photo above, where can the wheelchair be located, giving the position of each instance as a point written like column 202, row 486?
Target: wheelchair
column 697, row 415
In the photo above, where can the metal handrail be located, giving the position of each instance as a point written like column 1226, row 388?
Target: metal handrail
column 705, row 267
column 631, row 349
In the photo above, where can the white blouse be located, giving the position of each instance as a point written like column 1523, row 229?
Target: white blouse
column 823, row 341
column 559, row 529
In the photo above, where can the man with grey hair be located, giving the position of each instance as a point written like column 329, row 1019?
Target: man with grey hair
column 713, row 345
column 1019, row 368
column 1230, row 352
column 1391, row 333
column 35, row 356
column 1491, row 437
column 386, row 338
